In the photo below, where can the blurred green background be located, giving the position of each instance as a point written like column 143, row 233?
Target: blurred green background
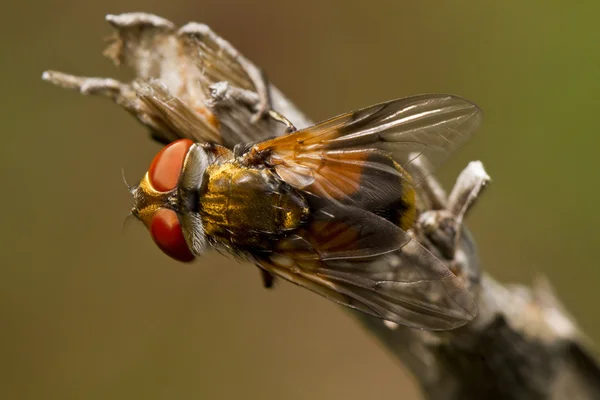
column 91, row 311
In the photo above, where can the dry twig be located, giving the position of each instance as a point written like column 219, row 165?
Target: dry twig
column 522, row 345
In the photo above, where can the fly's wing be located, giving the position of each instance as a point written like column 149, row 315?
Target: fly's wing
column 359, row 165
column 365, row 262
column 335, row 157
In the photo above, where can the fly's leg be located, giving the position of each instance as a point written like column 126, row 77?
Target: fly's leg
column 261, row 83
column 267, row 278
column 280, row 118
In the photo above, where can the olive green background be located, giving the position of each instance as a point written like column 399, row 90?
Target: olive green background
column 89, row 310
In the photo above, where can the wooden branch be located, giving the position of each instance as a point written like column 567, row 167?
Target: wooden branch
column 522, row 345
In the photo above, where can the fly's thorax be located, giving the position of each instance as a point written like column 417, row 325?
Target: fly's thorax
column 246, row 206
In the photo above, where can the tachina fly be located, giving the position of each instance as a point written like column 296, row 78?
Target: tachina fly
column 329, row 207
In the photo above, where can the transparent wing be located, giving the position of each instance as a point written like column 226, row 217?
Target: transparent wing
column 365, row 178
column 430, row 126
column 365, row 262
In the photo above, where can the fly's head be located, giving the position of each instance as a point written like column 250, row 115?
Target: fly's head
column 166, row 200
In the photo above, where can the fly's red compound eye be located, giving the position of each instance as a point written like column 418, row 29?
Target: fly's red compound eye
column 166, row 166
column 163, row 176
column 167, row 234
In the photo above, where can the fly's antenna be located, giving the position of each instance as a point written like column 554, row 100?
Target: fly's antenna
column 129, row 187
column 131, row 215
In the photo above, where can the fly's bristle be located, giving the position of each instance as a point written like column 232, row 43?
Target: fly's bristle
column 127, row 221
